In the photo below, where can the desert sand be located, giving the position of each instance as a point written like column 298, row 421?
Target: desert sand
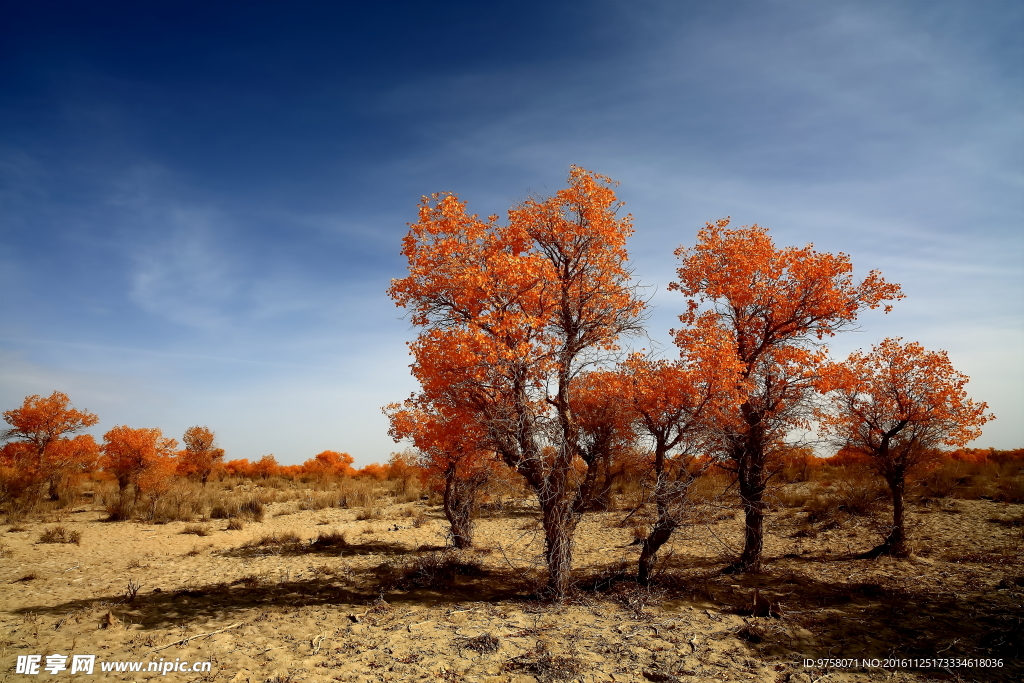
column 297, row 612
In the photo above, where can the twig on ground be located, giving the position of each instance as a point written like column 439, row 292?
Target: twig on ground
column 199, row 635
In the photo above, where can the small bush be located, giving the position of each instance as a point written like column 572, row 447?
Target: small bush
column 1011, row 490
column 30, row 576
column 282, row 541
column 197, row 529
column 318, row 500
column 59, row 534
column 234, row 524
column 369, row 513
column 252, row 509
column 223, row 511
column 484, row 644
column 433, row 570
column 546, row 666
column 330, row 539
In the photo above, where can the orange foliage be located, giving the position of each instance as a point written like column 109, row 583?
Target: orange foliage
column 899, row 403
column 137, row 456
column 510, row 314
column 446, row 439
column 39, row 450
column 201, row 456
column 374, row 471
column 265, row 468
column 773, row 303
column 329, row 464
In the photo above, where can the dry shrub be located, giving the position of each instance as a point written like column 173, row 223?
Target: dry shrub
column 831, row 506
column 246, row 506
column 285, row 540
column 29, row 576
column 546, row 666
column 357, row 493
column 944, row 480
column 484, row 644
column 369, row 513
column 753, row 631
column 949, row 478
column 710, row 487
column 249, row 581
column 60, row 534
column 5, row 550
column 251, row 509
column 792, row 496
column 329, row 540
column 182, row 501
column 197, row 529
column 318, row 500
column 420, row 519
column 436, row 570
column 1011, row 490
column 234, row 524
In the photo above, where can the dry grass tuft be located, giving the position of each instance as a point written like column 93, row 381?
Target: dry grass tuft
column 60, row 534
column 369, row 513
column 277, row 542
column 330, row 540
column 419, row 519
column 196, row 529
column 234, row 524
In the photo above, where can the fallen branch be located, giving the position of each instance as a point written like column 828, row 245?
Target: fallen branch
column 198, row 635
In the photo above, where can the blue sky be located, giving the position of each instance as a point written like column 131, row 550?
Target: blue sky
column 201, row 204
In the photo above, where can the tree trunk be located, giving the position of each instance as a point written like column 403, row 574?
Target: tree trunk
column 750, row 470
column 559, row 521
column 895, row 544
column 664, row 492
column 897, row 540
column 658, row 537
column 460, row 499
column 753, row 533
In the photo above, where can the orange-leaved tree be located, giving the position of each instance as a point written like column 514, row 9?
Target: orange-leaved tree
column 510, row 314
column 776, row 305
column 680, row 406
column 328, row 464
column 39, row 450
column 136, row 457
column 606, row 435
column 449, row 446
column 200, row 456
column 896, row 405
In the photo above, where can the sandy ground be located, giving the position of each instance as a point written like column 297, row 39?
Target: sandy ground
column 302, row 613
